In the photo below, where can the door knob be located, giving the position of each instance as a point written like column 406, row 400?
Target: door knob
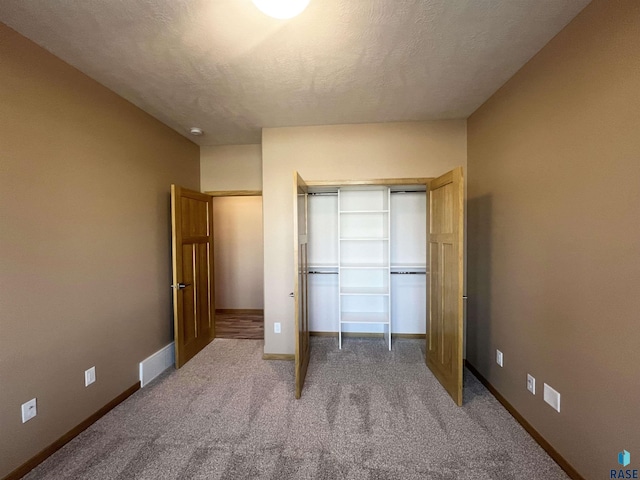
column 180, row 286
column 291, row 295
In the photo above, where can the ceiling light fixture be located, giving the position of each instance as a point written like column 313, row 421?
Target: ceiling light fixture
column 196, row 131
column 282, row 9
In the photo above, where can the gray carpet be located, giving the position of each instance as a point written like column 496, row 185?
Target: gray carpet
column 365, row 413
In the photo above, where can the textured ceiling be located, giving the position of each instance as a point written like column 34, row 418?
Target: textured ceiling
column 225, row 67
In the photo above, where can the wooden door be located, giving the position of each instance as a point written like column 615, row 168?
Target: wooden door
column 193, row 299
column 445, row 287
column 301, row 289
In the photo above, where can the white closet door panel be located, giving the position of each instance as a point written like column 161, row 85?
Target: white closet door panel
column 323, row 303
column 409, row 228
column 323, row 230
column 408, row 303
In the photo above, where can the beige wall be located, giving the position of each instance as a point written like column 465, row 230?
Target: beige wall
column 340, row 152
column 231, row 167
column 554, row 236
column 238, row 252
column 84, row 242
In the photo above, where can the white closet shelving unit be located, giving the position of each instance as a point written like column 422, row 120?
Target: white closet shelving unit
column 364, row 268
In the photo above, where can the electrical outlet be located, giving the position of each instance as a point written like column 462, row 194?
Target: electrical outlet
column 29, row 410
column 499, row 358
column 276, row 327
column 531, row 384
column 552, row 397
column 89, row 376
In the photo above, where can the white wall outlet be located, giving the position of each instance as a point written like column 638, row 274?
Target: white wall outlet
column 552, row 397
column 29, row 410
column 499, row 358
column 276, row 327
column 89, row 376
column 531, row 383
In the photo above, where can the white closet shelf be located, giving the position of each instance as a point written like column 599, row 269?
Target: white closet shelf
column 364, row 291
column 409, row 268
column 365, row 317
column 365, row 266
column 363, row 211
column 364, row 239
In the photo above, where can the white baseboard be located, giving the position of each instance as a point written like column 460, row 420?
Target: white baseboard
column 155, row 364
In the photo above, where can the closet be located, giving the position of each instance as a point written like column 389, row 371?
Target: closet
column 367, row 261
column 365, row 253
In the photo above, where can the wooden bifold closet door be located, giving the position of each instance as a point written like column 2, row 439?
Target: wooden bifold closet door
column 301, row 275
column 445, row 257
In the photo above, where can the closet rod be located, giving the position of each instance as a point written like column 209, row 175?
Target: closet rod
column 408, row 273
column 316, row 272
column 328, row 194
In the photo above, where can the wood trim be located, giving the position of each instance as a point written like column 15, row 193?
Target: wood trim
column 445, row 179
column 278, row 356
column 547, row 447
column 176, row 259
column 324, row 334
column 419, row 336
column 195, row 195
column 235, row 193
column 416, row 336
column 377, row 181
column 41, row 456
column 240, row 311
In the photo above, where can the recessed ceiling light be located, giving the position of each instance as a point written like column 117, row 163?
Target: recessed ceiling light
column 281, row 9
column 196, row 131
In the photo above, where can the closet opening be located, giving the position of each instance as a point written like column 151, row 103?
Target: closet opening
column 367, row 262
column 238, row 264
column 378, row 258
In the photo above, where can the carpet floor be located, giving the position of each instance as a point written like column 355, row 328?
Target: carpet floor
column 365, row 413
